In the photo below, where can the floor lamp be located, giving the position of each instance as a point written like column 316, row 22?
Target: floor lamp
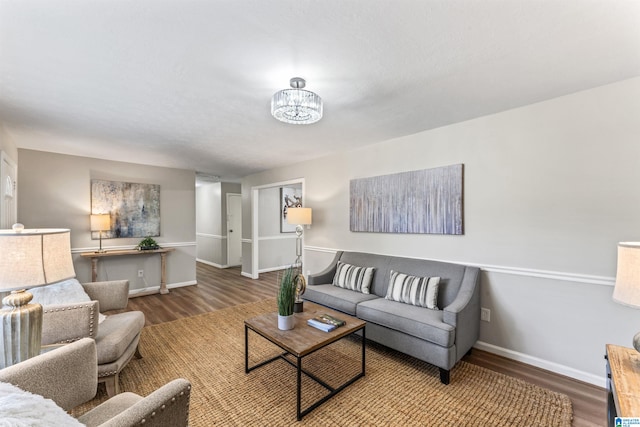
column 299, row 217
column 30, row 258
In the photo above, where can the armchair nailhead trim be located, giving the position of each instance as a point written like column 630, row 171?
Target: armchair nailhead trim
column 164, row 406
column 92, row 316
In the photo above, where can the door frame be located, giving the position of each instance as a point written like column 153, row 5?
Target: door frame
column 255, row 215
column 239, row 234
column 4, row 157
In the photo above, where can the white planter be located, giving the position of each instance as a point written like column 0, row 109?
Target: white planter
column 286, row 322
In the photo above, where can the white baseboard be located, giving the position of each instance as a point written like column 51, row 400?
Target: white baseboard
column 212, row 264
column 270, row 269
column 557, row 368
column 245, row 274
column 149, row 290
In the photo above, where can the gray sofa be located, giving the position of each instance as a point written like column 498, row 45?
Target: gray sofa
column 439, row 337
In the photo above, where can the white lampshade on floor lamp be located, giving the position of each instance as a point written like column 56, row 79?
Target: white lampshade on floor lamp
column 299, row 217
column 627, row 289
column 30, row 258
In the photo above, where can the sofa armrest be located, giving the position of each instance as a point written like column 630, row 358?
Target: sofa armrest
column 464, row 312
column 326, row 275
column 67, row 375
column 112, row 295
column 65, row 323
column 167, row 406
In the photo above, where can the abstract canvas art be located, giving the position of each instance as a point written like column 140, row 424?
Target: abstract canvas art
column 427, row 201
column 290, row 197
column 134, row 208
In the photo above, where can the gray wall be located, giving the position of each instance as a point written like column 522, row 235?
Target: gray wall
column 549, row 190
column 277, row 249
column 55, row 191
column 211, row 222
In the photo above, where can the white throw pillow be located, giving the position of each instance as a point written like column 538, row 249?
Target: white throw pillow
column 65, row 292
column 414, row 290
column 20, row 408
column 354, row 278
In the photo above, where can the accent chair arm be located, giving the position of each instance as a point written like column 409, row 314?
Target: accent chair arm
column 112, row 295
column 67, row 375
column 65, row 323
column 167, row 406
column 326, row 275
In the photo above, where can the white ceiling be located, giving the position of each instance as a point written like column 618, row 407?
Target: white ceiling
column 188, row 83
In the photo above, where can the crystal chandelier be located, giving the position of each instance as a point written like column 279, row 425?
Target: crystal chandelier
column 296, row 106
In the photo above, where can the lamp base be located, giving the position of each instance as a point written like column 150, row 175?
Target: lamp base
column 298, row 307
column 20, row 328
column 636, row 341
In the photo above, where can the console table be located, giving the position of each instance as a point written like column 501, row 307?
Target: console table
column 623, row 382
column 95, row 256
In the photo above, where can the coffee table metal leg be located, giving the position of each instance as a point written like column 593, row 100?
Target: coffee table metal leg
column 299, row 392
column 364, row 340
column 246, row 349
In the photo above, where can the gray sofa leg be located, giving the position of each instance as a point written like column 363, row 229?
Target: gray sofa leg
column 444, row 376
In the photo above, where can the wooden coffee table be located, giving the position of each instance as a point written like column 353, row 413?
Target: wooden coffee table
column 301, row 341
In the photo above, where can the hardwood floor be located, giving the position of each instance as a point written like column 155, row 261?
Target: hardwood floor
column 220, row 288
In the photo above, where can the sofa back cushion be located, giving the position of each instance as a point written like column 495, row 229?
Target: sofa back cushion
column 450, row 274
column 379, row 262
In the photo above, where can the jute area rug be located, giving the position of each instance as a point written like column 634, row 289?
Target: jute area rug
column 397, row 390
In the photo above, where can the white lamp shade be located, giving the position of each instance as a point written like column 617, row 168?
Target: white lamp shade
column 627, row 289
column 100, row 222
column 34, row 258
column 299, row 216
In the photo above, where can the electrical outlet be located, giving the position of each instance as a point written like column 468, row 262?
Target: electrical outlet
column 140, row 273
column 485, row 314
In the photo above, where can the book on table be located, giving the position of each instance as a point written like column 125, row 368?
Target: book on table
column 325, row 322
column 321, row 325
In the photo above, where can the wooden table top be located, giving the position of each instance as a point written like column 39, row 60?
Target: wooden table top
column 625, row 375
column 303, row 339
column 118, row 252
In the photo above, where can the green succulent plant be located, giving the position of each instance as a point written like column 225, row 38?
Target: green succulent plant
column 148, row 243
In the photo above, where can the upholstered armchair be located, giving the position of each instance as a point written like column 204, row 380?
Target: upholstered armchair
column 68, row 376
column 116, row 335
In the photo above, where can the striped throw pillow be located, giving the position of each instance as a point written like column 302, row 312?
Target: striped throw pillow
column 354, row 278
column 420, row 291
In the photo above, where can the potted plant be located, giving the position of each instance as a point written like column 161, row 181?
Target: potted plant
column 286, row 299
column 147, row 244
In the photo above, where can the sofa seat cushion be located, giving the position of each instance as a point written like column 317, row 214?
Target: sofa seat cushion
column 113, row 407
column 337, row 298
column 116, row 333
column 412, row 320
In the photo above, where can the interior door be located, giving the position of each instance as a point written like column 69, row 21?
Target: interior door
column 8, row 192
column 234, row 229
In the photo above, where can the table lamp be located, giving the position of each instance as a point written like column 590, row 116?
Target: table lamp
column 627, row 288
column 299, row 217
column 100, row 223
column 30, row 258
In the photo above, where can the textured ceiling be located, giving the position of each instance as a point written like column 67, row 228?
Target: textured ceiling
column 187, row 84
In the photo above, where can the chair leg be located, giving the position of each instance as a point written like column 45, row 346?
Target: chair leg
column 112, row 384
column 138, row 355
